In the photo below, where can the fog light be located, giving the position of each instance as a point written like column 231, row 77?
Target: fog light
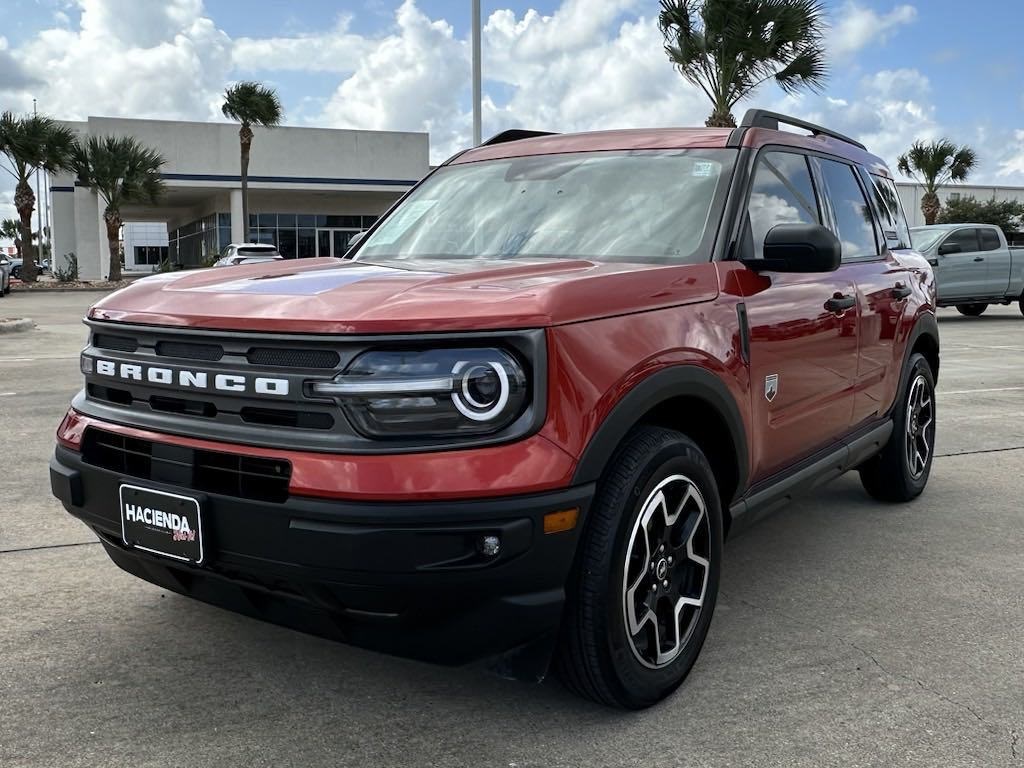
column 489, row 546
column 86, row 364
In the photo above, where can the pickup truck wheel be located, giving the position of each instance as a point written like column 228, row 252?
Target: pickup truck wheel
column 1020, row 303
column 900, row 472
column 971, row 310
column 643, row 591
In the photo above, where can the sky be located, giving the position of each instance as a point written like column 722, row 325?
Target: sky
column 900, row 71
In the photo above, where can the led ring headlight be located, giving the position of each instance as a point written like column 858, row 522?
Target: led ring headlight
column 464, row 400
column 438, row 393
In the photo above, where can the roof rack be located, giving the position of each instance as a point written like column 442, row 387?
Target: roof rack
column 762, row 118
column 514, row 134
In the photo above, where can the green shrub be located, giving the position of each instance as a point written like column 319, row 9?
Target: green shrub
column 69, row 272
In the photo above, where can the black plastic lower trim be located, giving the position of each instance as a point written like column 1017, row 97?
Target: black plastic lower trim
column 407, row 578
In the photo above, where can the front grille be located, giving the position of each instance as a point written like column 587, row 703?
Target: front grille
column 294, row 358
column 109, row 394
column 225, row 474
column 189, row 350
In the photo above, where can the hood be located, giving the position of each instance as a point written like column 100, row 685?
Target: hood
column 336, row 296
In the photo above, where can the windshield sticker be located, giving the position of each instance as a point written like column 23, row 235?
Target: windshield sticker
column 703, row 168
column 400, row 221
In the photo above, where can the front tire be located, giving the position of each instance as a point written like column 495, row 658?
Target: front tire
column 900, row 472
column 644, row 588
column 971, row 310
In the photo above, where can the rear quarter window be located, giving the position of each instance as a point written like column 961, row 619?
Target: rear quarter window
column 890, row 210
column 989, row 239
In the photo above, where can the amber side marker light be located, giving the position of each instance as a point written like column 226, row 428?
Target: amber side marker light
column 557, row 522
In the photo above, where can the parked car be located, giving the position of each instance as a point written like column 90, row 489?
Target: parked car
column 517, row 424
column 5, row 275
column 247, row 253
column 16, row 264
column 974, row 267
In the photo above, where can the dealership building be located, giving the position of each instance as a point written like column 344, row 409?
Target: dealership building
column 310, row 190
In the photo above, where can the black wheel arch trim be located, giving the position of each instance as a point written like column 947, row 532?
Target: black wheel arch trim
column 659, row 387
column 926, row 325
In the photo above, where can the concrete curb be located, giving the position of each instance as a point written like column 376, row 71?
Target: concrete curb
column 15, row 325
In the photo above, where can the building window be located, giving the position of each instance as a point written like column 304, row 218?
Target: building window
column 151, row 255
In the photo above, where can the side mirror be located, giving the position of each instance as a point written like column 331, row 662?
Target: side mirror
column 352, row 241
column 798, row 248
column 949, row 248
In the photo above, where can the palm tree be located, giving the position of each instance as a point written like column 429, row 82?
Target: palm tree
column 935, row 163
column 11, row 229
column 121, row 171
column 30, row 143
column 727, row 48
column 250, row 104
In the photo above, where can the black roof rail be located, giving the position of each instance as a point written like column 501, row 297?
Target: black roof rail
column 762, row 118
column 514, row 134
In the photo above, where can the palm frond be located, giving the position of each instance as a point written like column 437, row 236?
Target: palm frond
column 937, row 162
column 252, row 103
column 120, row 170
column 730, row 47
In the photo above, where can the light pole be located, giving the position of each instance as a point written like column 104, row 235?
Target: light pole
column 39, row 214
column 476, row 74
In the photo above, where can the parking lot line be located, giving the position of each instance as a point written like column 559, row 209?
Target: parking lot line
column 978, row 391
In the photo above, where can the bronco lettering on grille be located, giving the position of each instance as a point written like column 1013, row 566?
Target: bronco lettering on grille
column 187, row 379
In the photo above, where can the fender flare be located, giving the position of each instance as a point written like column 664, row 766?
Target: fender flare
column 926, row 325
column 659, row 387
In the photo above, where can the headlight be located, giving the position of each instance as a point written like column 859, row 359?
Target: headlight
column 435, row 393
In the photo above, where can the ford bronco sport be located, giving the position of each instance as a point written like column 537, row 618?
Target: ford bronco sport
column 514, row 425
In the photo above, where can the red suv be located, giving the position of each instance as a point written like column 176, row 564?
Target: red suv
column 515, row 424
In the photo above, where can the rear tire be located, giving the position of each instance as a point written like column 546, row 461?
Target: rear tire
column 1020, row 303
column 971, row 310
column 642, row 594
column 900, row 472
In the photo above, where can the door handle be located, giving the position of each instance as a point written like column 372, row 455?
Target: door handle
column 900, row 291
column 840, row 303
column 979, row 258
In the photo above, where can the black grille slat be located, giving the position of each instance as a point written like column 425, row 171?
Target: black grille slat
column 182, row 406
column 213, row 472
column 293, row 358
column 110, row 394
column 274, row 417
column 117, row 343
column 187, row 350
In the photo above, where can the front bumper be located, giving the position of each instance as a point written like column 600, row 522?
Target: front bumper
column 399, row 577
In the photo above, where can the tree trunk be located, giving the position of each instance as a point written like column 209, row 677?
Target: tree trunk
column 245, row 138
column 25, row 201
column 721, row 118
column 930, row 207
column 113, row 221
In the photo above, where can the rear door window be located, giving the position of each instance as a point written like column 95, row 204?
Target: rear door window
column 989, row 239
column 854, row 221
column 782, row 193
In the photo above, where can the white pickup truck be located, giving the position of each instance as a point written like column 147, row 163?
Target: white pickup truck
column 974, row 267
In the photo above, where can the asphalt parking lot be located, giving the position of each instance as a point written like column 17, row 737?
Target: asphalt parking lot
column 847, row 633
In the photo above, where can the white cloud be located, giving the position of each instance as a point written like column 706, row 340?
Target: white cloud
column 128, row 58
column 855, row 27
column 332, row 50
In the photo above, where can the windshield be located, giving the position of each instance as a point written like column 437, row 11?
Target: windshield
column 640, row 206
column 924, row 238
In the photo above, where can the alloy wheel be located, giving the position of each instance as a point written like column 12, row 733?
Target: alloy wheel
column 665, row 575
column 920, row 426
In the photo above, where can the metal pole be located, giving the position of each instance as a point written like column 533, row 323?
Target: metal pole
column 39, row 213
column 476, row 74
column 46, row 197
